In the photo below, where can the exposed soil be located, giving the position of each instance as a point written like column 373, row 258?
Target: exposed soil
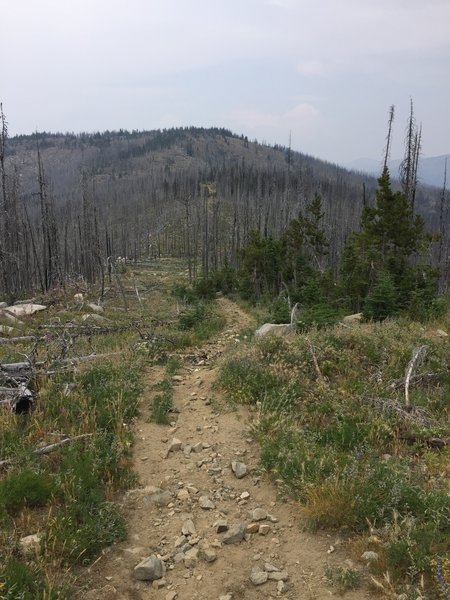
column 224, row 433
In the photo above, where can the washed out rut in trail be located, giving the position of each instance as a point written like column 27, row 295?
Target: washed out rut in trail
column 172, row 490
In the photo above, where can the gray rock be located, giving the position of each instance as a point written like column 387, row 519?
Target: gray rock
column 30, row 543
column 258, row 576
column 281, row 587
column 191, row 558
column 205, row 503
column 370, row 556
column 221, row 526
column 258, row 514
column 171, row 595
column 188, row 528
column 271, row 568
column 149, row 569
column 208, row 555
column 95, row 317
column 279, row 576
column 178, row 557
column 175, row 445
column 239, row 469
column 198, row 447
column 281, row 330
column 353, row 319
column 235, row 534
column 95, row 307
column 25, row 309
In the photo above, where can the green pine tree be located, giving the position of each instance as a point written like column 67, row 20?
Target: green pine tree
column 391, row 237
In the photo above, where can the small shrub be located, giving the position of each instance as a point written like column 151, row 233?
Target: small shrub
column 248, row 382
column 162, row 402
column 319, row 315
column 19, row 581
column 328, row 505
column 25, row 489
column 279, row 311
column 205, row 288
column 173, row 365
column 343, row 579
column 382, row 301
column 184, row 293
column 114, row 393
column 81, row 530
column 192, row 317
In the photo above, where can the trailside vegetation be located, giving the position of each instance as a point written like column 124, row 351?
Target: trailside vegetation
column 339, row 434
column 66, row 460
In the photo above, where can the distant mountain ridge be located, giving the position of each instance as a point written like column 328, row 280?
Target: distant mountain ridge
column 431, row 169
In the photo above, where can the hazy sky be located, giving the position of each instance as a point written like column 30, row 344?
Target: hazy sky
column 324, row 70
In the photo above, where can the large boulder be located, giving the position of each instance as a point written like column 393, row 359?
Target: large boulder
column 24, row 310
column 353, row 319
column 283, row 330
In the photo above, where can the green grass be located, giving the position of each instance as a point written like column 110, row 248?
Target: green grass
column 21, row 581
column 25, row 489
column 79, row 532
column 162, row 403
column 343, row 579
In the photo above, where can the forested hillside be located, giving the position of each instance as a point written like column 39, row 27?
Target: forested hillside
column 74, row 203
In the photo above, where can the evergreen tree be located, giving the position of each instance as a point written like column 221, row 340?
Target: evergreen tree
column 382, row 253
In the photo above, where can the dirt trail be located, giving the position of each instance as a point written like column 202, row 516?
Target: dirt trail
column 156, row 516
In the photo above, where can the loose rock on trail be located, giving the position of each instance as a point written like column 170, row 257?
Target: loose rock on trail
column 205, row 524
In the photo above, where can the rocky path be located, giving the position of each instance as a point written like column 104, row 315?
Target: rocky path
column 211, row 522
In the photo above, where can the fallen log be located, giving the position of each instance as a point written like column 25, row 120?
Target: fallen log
column 23, row 338
column 19, row 366
column 26, row 366
column 433, row 442
column 407, row 413
column 47, row 449
column 417, row 357
column 20, row 400
column 14, row 373
column 396, row 384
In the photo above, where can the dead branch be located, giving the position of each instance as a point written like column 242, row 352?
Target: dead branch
column 396, row 384
column 320, row 377
column 17, row 340
column 47, row 449
column 433, row 442
column 16, row 372
column 19, row 400
column 408, row 413
column 417, row 357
